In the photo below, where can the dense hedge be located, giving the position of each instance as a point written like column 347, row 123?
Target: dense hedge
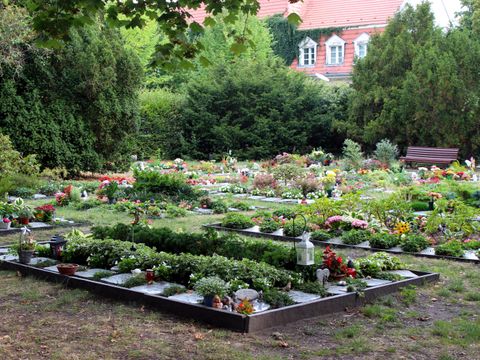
column 75, row 107
column 181, row 268
column 207, row 243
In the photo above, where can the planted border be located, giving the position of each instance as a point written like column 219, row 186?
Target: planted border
column 247, row 232
column 220, row 318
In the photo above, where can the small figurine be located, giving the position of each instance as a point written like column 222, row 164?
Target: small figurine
column 217, row 303
column 322, row 276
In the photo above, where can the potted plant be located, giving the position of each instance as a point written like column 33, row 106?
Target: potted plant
column 208, row 287
column 67, row 269
column 26, row 246
column 5, row 223
column 23, row 211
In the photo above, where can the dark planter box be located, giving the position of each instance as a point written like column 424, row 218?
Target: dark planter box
column 220, row 318
column 218, row 227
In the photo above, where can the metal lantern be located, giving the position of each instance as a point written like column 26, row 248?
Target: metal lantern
column 57, row 245
column 305, row 250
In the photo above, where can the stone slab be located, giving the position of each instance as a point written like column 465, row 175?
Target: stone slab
column 253, row 229
column 90, row 273
column 404, row 273
column 38, row 225
column 37, row 260
column 203, row 211
column 470, row 254
column 364, row 244
column 336, row 290
column 118, row 279
column 153, row 289
column 256, row 197
column 248, row 294
column 190, row 297
column 428, row 251
column 51, row 268
column 376, row 282
column 335, row 240
column 397, row 249
column 272, row 199
column 260, row 306
column 9, row 257
column 302, row 297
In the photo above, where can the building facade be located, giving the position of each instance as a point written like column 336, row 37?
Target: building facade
column 332, row 57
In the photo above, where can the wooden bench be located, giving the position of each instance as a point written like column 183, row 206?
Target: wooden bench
column 428, row 155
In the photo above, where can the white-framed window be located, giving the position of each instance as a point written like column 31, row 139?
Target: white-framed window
column 335, row 50
column 361, row 45
column 308, row 52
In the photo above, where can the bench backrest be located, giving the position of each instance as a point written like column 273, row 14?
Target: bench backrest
column 428, row 152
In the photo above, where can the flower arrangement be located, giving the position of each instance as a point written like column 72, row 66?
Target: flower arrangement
column 335, row 264
column 45, row 212
column 245, row 307
column 334, row 221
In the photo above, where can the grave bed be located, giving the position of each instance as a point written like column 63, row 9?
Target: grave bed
column 221, row 318
column 335, row 244
column 39, row 226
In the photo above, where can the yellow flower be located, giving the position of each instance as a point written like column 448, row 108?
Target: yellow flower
column 402, row 227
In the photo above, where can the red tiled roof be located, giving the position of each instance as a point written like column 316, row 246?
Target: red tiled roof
column 267, row 8
column 332, row 13
column 326, row 13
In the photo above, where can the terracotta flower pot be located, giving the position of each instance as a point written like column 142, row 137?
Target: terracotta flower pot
column 67, row 269
column 23, row 220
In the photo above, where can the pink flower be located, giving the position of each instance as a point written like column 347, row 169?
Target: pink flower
column 359, row 224
column 6, row 220
column 334, row 219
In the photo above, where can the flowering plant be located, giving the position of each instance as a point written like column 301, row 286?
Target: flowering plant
column 245, row 307
column 61, row 198
column 401, row 228
column 335, row 264
column 6, row 220
column 47, row 208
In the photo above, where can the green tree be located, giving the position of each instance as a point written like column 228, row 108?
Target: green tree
column 55, row 18
column 73, row 107
column 417, row 86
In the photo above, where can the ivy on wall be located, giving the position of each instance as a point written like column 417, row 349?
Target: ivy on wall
column 286, row 36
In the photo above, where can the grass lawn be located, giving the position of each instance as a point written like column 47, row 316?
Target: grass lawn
column 41, row 320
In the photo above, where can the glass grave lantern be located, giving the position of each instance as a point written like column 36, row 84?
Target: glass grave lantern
column 305, row 250
column 57, row 245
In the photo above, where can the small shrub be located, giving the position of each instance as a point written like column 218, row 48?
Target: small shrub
column 414, row 243
column 286, row 213
column 219, row 207
column 320, row 235
column 102, row 274
column 419, row 206
column 352, row 155
column 383, row 241
column 355, row 237
column 269, row 226
column 174, row 290
column 293, row 229
column 471, row 245
column 277, row 298
column 264, row 181
column 174, row 211
column 210, row 286
column 135, row 280
column 451, row 248
column 237, row 221
column 386, row 152
column 312, row 287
